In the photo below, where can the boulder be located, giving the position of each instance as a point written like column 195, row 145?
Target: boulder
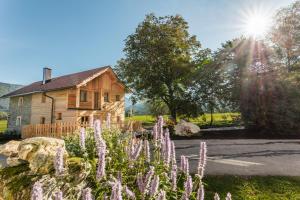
column 9, row 148
column 40, row 152
column 184, row 128
column 14, row 161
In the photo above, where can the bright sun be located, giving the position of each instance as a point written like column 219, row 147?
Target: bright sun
column 256, row 23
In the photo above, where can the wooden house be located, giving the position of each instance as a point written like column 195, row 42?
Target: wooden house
column 75, row 98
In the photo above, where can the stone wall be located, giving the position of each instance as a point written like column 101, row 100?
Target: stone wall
column 24, row 111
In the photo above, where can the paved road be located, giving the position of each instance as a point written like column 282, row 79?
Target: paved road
column 245, row 157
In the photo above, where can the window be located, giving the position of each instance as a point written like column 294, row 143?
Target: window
column 106, row 97
column 59, row 116
column 19, row 121
column 83, row 96
column 42, row 120
column 117, row 97
column 43, row 98
column 96, row 100
column 84, row 119
column 20, row 101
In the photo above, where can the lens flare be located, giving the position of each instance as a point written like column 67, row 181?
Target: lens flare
column 256, row 22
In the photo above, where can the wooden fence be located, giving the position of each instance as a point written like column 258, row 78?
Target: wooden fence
column 58, row 130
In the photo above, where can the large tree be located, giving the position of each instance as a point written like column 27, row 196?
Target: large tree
column 161, row 59
column 285, row 37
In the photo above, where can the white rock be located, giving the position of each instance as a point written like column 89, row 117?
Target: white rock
column 40, row 152
column 9, row 148
column 184, row 128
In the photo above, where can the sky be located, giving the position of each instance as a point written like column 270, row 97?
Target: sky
column 75, row 35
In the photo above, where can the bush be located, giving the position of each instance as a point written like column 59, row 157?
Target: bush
column 128, row 159
column 10, row 135
column 3, row 116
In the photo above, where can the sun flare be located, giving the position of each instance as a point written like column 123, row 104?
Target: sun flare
column 256, row 23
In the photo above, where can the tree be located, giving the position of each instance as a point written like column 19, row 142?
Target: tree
column 157, row 108
column 285, row 36
column 160, row 63
column 209, row 88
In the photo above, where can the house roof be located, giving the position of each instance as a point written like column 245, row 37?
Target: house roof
column 58, row 83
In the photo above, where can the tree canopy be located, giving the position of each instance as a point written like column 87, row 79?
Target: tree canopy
column 161, row 59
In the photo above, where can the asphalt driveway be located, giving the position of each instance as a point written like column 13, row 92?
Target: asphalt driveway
column 244, row 157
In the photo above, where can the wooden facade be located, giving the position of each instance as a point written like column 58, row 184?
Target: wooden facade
column 69, row 107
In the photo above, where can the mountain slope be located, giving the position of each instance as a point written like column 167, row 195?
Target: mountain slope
column 4, row 89
column 139, row 108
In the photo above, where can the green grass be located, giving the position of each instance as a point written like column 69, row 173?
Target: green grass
column 3, row 125
column 253, row 188
column 219, row 119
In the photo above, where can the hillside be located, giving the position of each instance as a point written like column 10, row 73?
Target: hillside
column 4, row 89
column 139, row 108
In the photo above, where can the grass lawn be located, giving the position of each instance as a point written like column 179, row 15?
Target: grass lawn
column 219, row 119
column 3, row 125
column 253, row 188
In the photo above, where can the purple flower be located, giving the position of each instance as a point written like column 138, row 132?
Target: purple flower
column 187, row 166
column 147, row 151
column 188, row 185
column 100, row 143
column 37, row 191
column 97, row 128
column 148, row 178
column 154, row 186
column 174, row 177
column 173, row 153
column 200, row 193
column 82, row 138
column 202, row 159
column 129, row 193
column 161, row 195
column 108, row 120
column 58, row 195
column 136, row 150
column 155, row 132
column 160, row 125
column 228, row 196
column 143, row 184
column 140, row 182
column 116, row 191
column 167, row 148
column 59, row 161
column 184, row 165
column 182, row 162
column 101, row 161
column 216, row 197
column 119, row 178
column 87, row 194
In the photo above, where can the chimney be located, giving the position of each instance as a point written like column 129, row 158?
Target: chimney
column 46, row 75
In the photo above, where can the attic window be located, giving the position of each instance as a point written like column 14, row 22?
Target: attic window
column 59, row 116
column 20, row 101
column 106, row 97
column 83, row 96
column 42, row 120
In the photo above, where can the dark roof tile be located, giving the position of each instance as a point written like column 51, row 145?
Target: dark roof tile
column 57, row 83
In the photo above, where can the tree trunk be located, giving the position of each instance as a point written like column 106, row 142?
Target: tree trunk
column 173, row 114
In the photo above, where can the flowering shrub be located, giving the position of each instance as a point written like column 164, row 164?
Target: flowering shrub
column 120, row 166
